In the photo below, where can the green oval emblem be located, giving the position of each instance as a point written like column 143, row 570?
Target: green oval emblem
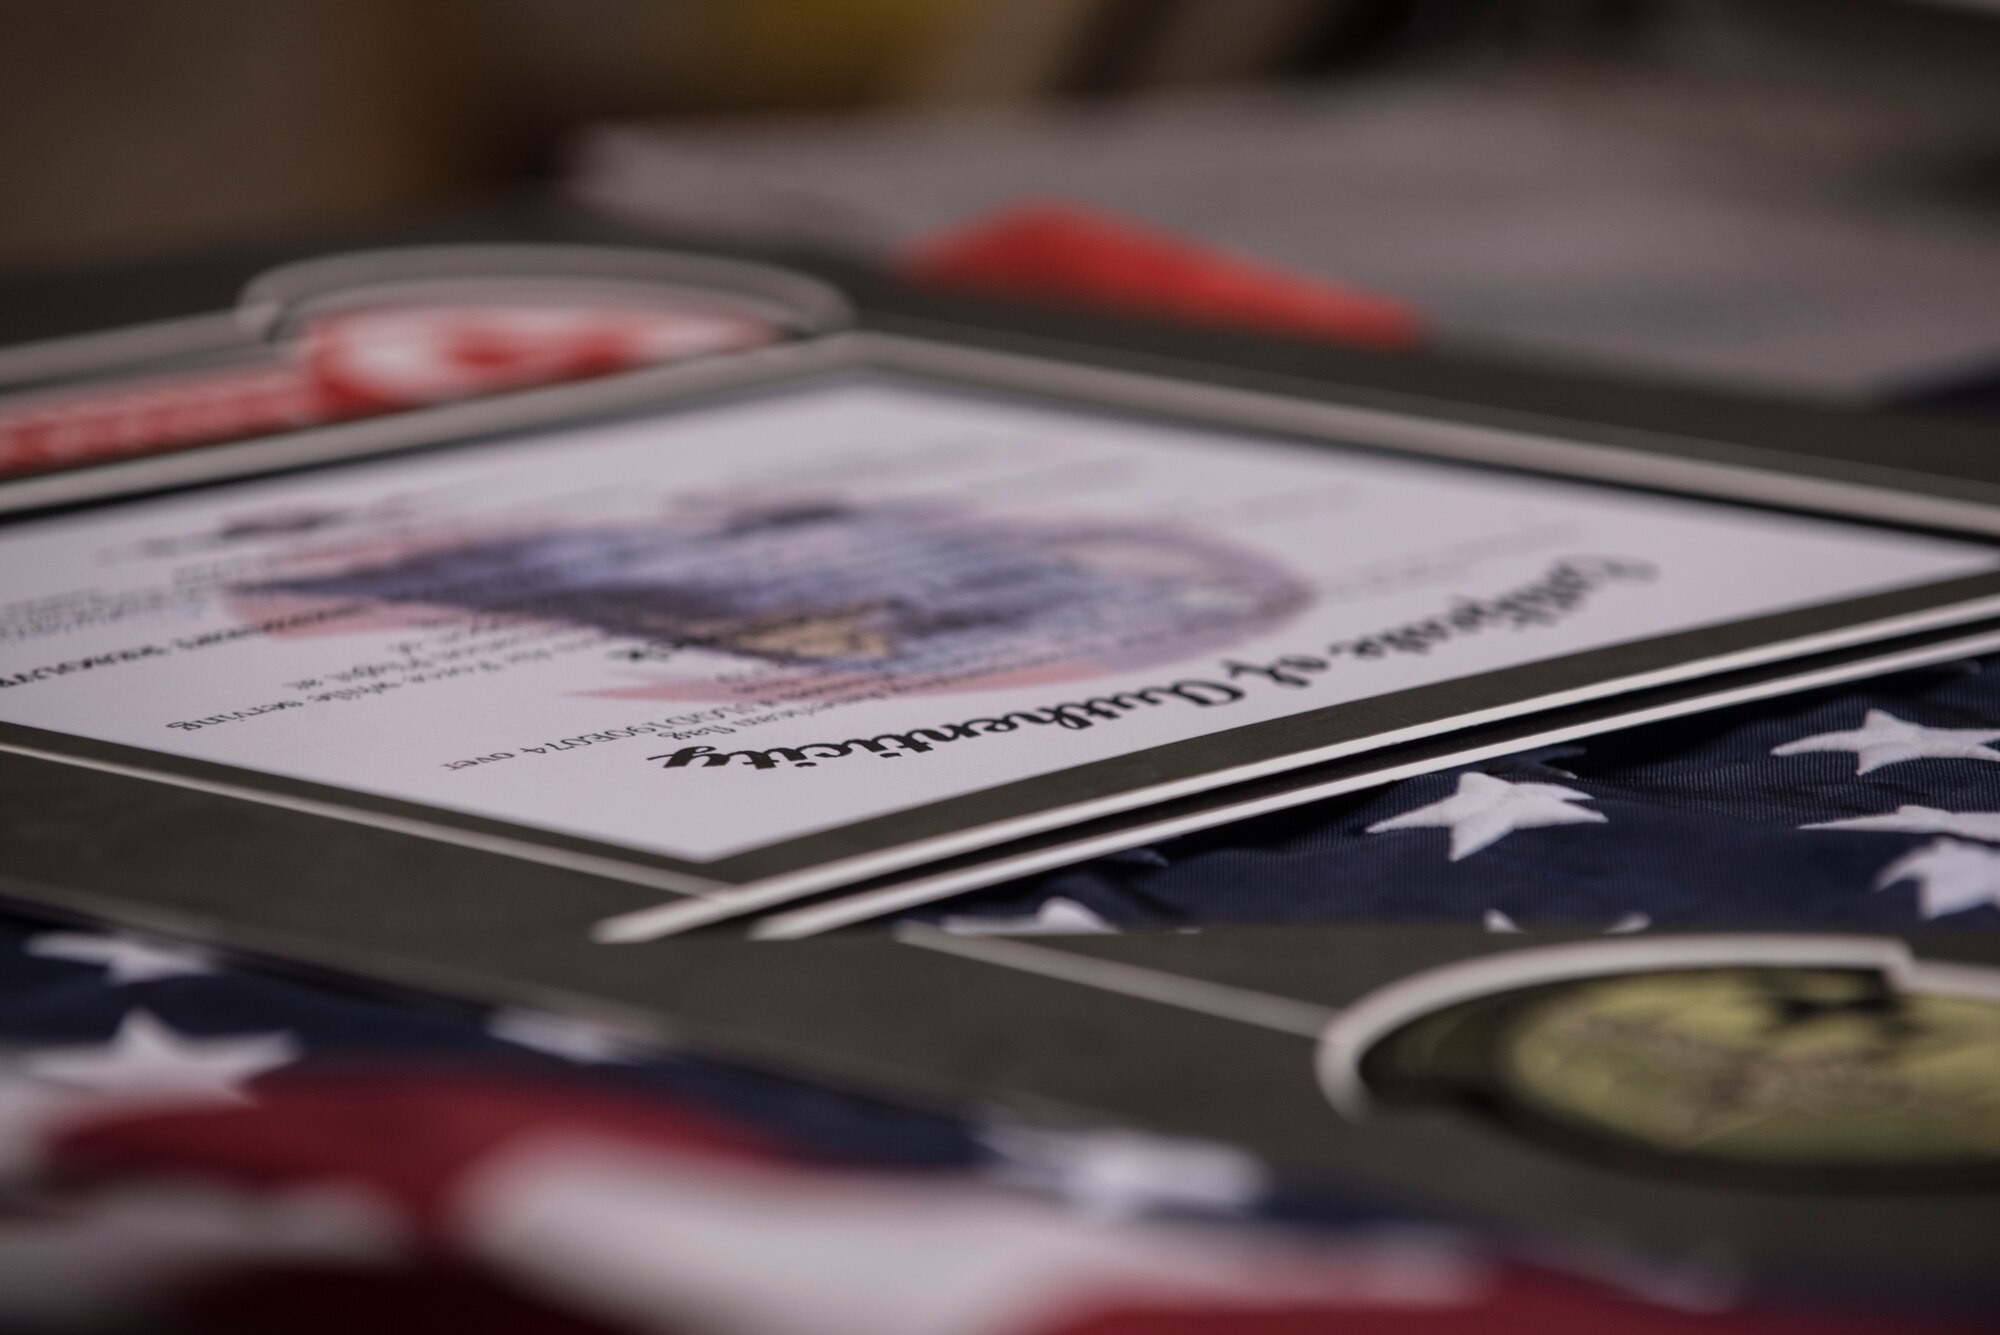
column 1802, row 1074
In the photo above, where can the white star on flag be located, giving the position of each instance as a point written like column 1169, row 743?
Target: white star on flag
column 146, row 1059
column 1112, row 1174
column 125, row 959
column 1951, row 876
column 1921, row 820
column 1056, row 917
column 1497, row 920
column 570, row 1037
column 1485, row 810
column 1883, row 739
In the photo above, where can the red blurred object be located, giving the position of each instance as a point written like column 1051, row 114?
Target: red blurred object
column 1063, row 253
column 363, row 363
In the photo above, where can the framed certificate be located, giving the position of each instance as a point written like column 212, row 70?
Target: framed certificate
column 499, row 696
column 703, row 638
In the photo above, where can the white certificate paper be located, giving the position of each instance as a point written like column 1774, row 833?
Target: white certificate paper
column 719, row 628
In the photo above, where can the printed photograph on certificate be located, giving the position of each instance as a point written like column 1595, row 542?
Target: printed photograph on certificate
column 824, row 629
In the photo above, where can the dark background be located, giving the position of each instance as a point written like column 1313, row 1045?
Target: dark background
column 1792, row 196
column 132, row 126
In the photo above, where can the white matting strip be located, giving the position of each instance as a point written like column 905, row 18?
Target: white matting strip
column 1168, row 989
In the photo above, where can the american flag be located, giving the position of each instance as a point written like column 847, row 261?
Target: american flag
column 1870, row 806
column 191, row 1143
